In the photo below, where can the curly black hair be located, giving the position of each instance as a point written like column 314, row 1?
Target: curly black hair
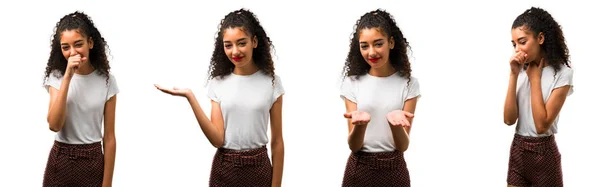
column 97, row 56
column 356, row 64
column 538, row 21
column 221, row 66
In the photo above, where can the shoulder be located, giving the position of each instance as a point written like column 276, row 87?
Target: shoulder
column 565, row 71
column 56, row 74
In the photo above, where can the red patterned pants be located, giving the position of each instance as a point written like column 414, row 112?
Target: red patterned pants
column 249, row 168
column 74, row 165
column 385, row 169
column 534, row 161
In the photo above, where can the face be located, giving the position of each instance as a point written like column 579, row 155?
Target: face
column 73, row 43
column 375, row 47
column 238, row 46
column 523, row 40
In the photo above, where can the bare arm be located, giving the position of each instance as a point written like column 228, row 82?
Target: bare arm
column 58, row 105
column 356, row 133
column 545, row 114
column 213, row 128
column 511, row 109
column 401, row 134
column 109, row 141
column 277, row 148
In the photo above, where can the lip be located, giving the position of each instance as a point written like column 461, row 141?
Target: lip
column 373, row 59
column 237, row 59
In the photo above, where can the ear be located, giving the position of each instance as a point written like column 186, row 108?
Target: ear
column 91, row 43
column 540, row 38
column 255, row 41
column 392, row 42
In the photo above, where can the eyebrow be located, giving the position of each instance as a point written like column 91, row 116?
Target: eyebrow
column 518, row 39
column 378, row 40
column 77, row 41
column 239, row 40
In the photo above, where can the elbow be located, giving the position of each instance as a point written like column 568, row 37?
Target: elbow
column 54, row 127
column 542, row 128
column 509, row 122
column 218, row 143
column 355, row 148
column 53, row 124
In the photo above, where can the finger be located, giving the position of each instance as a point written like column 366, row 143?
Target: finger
column 406, row 123
column 84, row 59
column 408, row 114
column 348, row 115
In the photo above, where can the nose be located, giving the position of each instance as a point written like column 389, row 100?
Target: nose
column 72, row 52
column 372, row 52
column 235, row 51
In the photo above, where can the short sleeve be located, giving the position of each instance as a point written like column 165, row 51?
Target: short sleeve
column 413, row 89
column 348, row 90
column 565, row 78
column 54, row 79
column 277, row 89
column 113, row 87
column 211, row 90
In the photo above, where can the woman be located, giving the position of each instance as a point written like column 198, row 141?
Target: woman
column 244, row 93
column 540, row 81
column 380, row 96
column 83, row 95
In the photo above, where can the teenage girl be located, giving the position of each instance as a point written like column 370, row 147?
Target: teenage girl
column 380, row 96
column 246, row 95
column 540, row 81
column 83, row 98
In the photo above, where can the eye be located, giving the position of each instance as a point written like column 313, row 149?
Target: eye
column 364, row 47
column 78, row 45
column 379, row 44
column 227, row 46
column 242, row 44
column 64, row 48
column 523, row 42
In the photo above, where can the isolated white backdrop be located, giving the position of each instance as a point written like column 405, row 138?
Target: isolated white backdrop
column 460, row 55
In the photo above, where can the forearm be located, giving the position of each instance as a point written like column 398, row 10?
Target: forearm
column 277, row 152
column 511, row 109
column 401, row 138
column 538, row 107
column 110, row 149
column 58, row 109
column 356, row 137
column 214, row 135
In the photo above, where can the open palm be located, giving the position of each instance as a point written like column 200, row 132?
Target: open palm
column 399, row 117
column 174, row 91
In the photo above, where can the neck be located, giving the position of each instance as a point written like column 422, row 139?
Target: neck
column 248, row 69
column 383, row 71
column 85, row 69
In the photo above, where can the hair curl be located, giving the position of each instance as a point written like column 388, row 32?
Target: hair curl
column 83, row 24
column 221, row 66
column 385, row 23
column 538, row 21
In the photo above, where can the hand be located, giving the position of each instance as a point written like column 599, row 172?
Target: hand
column 73, row 63
column 399, row 117
column 534, row 70
column 517, row 61
column 358, row 117
column 184, row 92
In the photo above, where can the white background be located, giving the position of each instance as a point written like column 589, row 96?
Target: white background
column 460, row 56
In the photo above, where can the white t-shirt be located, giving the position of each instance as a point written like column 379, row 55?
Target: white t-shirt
column 525, row 124
column 86, row 98
column 245, row 102
column 378, row 96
